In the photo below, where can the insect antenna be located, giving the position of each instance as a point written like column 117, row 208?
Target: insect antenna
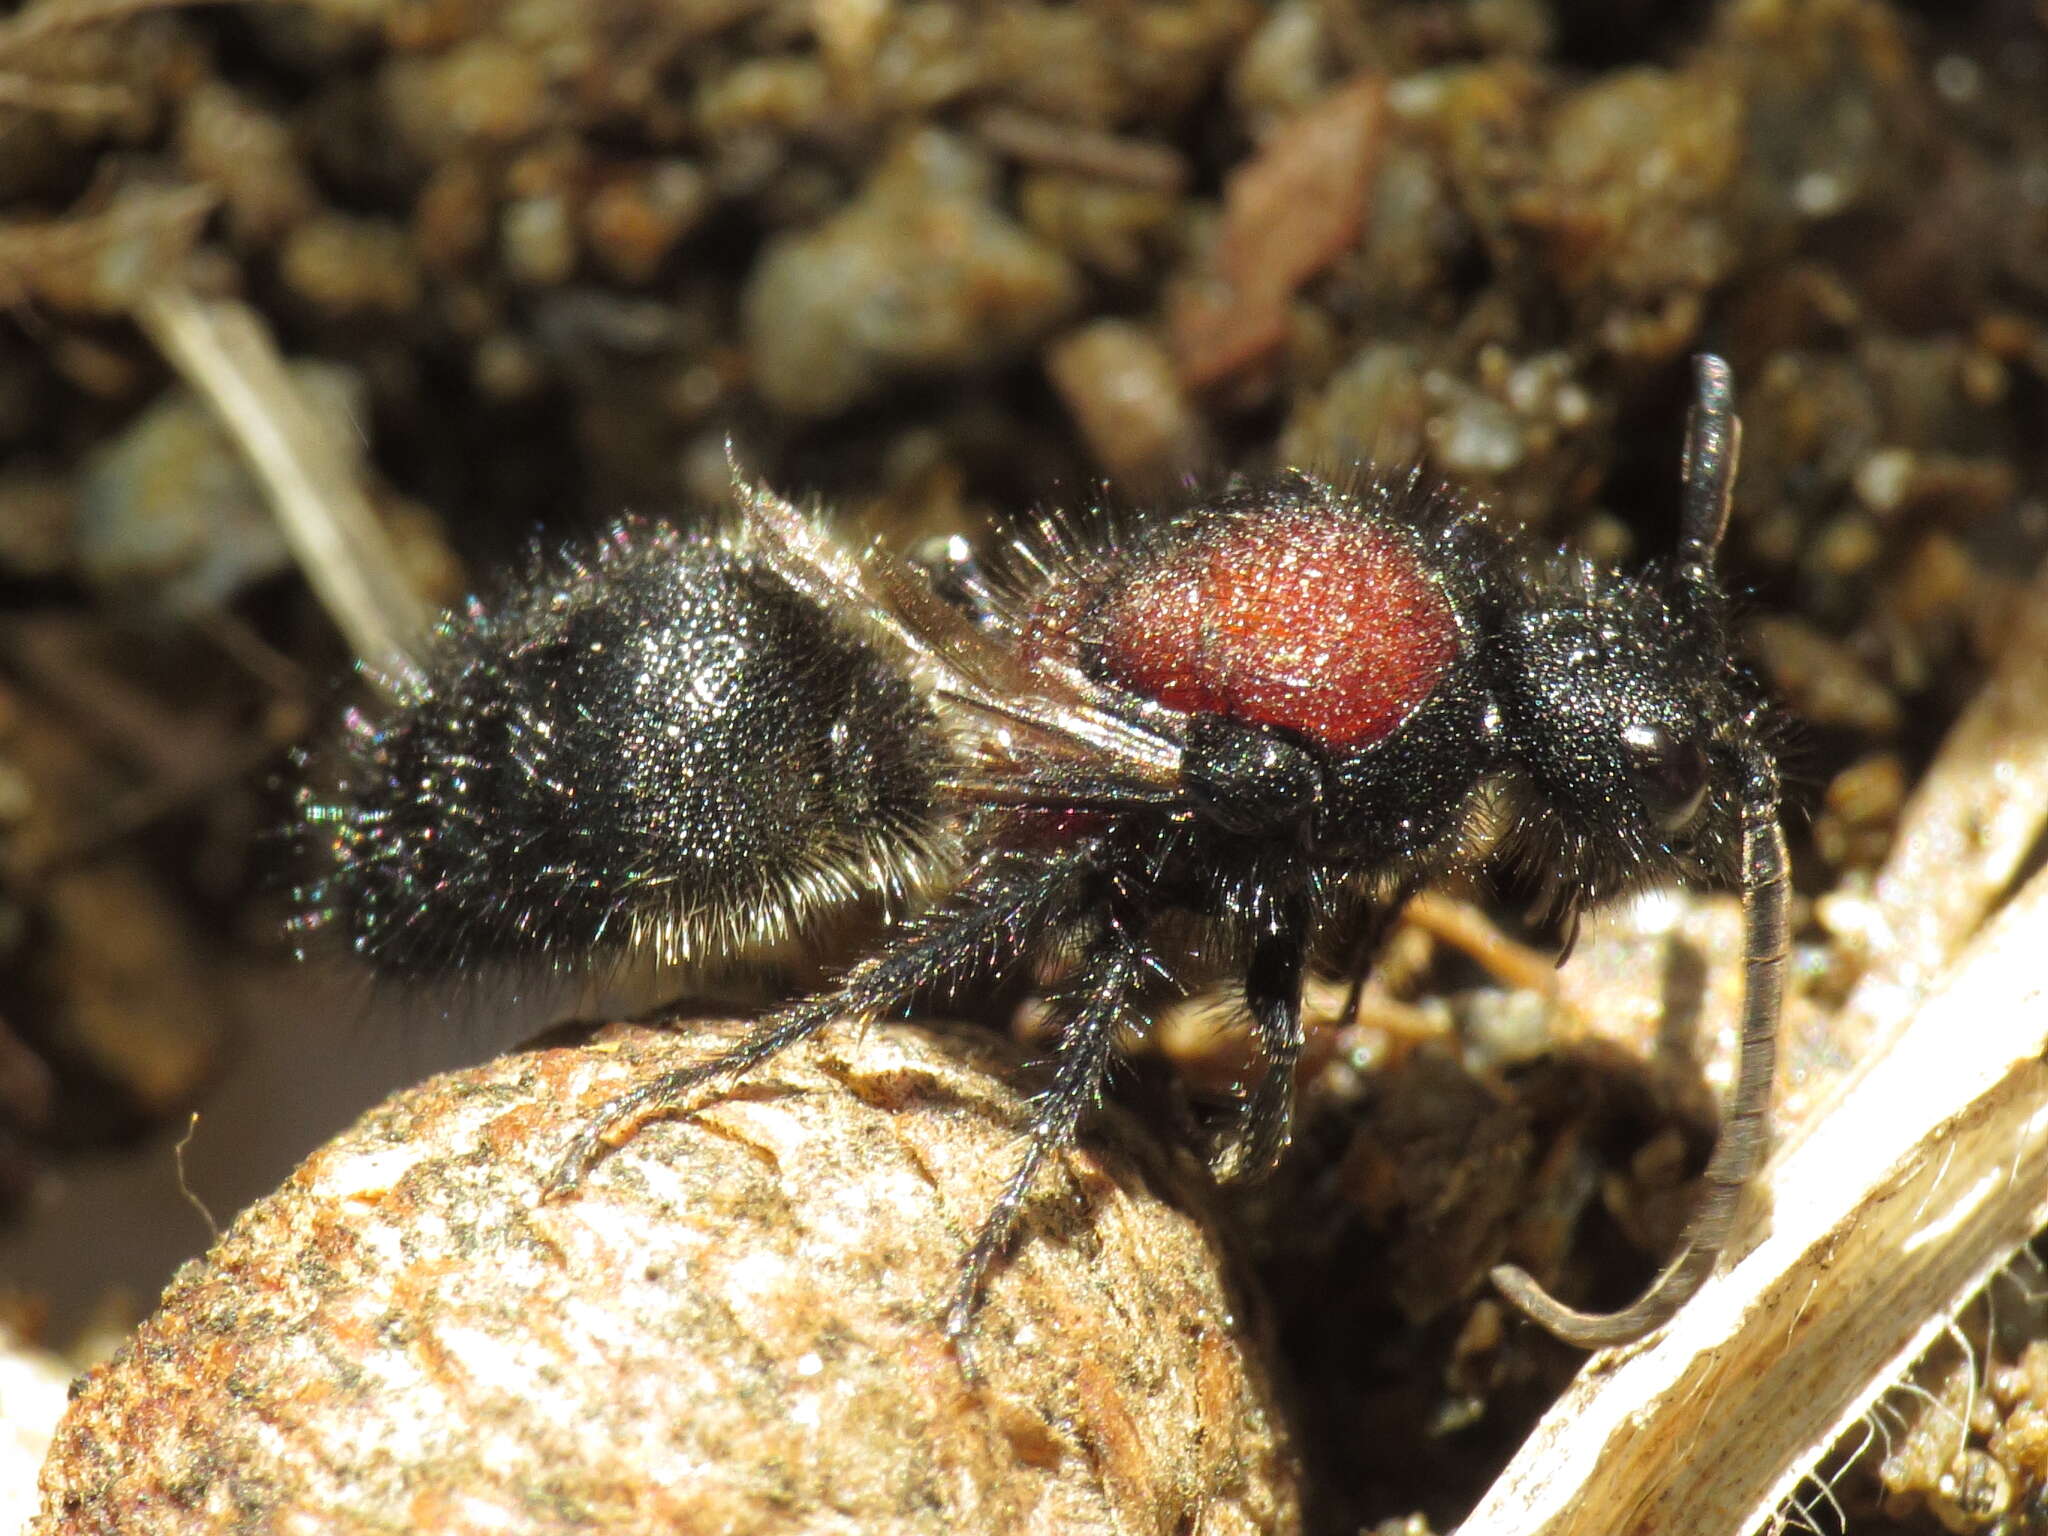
column 1740, row 1148
column 1713, row 443
column 1713, row 449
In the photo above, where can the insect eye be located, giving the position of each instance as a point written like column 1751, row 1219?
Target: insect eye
column 1670, row 773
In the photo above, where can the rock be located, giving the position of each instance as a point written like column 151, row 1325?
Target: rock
column 923, row 272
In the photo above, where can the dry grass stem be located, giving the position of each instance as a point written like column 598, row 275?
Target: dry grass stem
column 225, row 351
column 64, row 98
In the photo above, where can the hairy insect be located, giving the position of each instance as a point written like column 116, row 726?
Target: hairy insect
column 1264, row 720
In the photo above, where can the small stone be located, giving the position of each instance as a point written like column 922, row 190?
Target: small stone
column 848, row 33
column 1859, row 811
column 1285, row 65
column 485, row 92
column 1119, row 382
column 1822, row 680
column 451, row 217
column 1473, row 437
column 1373, row 411
column 538, row 240
column 349, row 266
column 1637, row 172
column 923, row 272
column 227, row 141
column 633, row 221
column 779, row 95
column 1115, row 229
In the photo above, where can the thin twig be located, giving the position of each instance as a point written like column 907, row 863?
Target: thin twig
column 1050, row 144
column 65, row 98
column 224, row 351
column 41, row 258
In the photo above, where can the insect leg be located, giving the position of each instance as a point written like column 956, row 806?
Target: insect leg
column 993, row 919
column 1373, row 928
column 1099, row 1000
column 1272, row 991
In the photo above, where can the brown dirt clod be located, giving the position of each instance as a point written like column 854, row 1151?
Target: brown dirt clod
column 731, row 1326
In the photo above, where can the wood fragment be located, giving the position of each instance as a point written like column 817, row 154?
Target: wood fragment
column 92, row 262
column 1049, row 144
column 1883, row 1223
column 1454, row 921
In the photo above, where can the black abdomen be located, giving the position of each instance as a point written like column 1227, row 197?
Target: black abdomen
column 656, row 743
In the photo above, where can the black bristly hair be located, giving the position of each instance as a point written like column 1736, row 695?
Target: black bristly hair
column 1230, row 720
column 651, row 744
